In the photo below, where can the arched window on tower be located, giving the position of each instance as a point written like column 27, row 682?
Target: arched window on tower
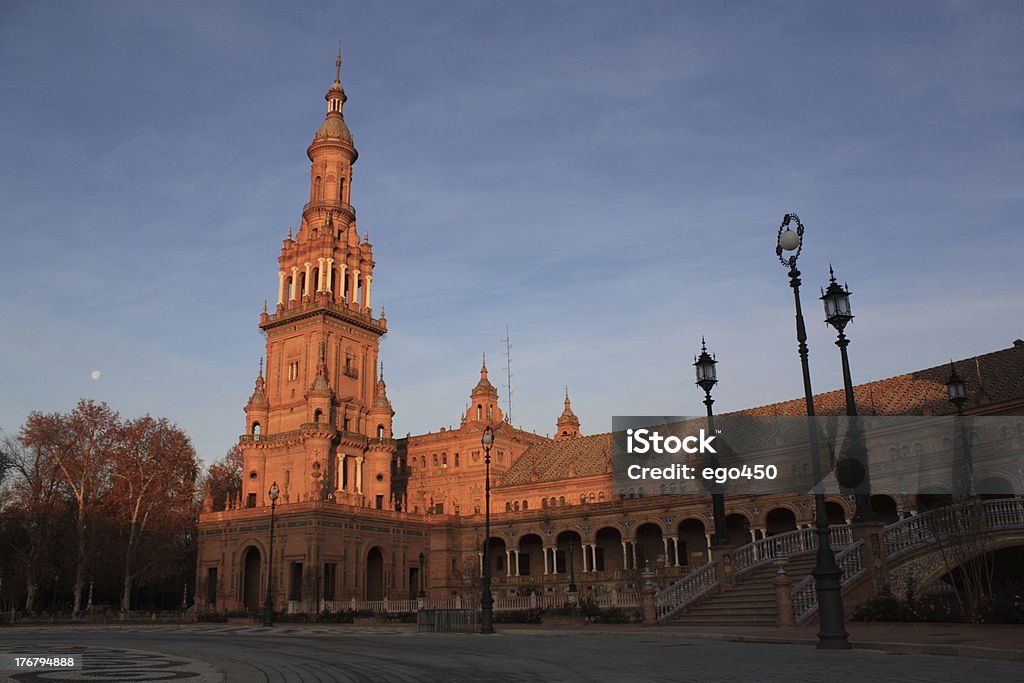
column 479, row 412
column 316, row 277
column 302, row 285
column 380, row 431
column 317, row 415
column 290, row 288
column 341, row 189
column 256, row 431
column 318, row 189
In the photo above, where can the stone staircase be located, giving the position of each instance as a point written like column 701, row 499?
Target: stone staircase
column 751, row 602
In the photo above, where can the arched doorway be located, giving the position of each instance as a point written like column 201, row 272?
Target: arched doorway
column 693, row 543
column 569, row 553
column 992, row 488
column 779, row 521
column 885, row 509
column 497, row 557
column 252, row 579
column 835, row 512
column 933, row 497
column 531, row 555
column 649, row 546
column 739, row 529
column 609, row 549
column 375, row 574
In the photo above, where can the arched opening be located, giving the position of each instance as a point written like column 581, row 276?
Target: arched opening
column 479, row 412
column 649, row 546
column 380, row 431
column 341, row 189
column 779, row 521
column 835, row 513
column 256, row 429
column 290, row 288
column 992, row 488
column 609, row 549
column 693, row 543
column 375, row 574
column 932, row 498
column 531, row 555
column 497, row 557
column 739, row 529
column 303, row 289
column 318, row 189
column 252, row 580
column 885, row 509
column 317, row 415
column 569, row 553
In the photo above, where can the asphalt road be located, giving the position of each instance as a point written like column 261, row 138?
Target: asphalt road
column 289, row 653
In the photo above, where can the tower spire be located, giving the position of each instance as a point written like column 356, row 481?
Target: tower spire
column 337, row 65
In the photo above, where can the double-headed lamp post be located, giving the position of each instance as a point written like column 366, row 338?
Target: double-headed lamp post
column 707, row 378
column 836, row 299
column 486, row 599
column 268, row 604
column 827, row 574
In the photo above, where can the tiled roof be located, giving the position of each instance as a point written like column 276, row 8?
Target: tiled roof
column 992, row 378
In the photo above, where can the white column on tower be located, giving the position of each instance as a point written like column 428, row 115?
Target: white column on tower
column 280, row 287
column 344, row 291
column 329, row 286
column 355, row 285
column 369, row 282
column 295, row 283
column 307, row 285
column 321, row 275
column 359, row 474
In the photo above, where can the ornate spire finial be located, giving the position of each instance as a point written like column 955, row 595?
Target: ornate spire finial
column 289, row 233
column 566, row 393
column 831, row 274
column 483, row 368
column 337, row 65
column 382, row 370
column 264, row 305
column 261, row 366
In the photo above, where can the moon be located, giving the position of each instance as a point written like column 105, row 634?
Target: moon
column 95, row 374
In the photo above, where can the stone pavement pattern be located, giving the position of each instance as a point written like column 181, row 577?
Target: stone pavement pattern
column 208, row 653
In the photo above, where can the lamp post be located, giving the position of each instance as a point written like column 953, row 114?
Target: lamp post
column 486, row 599
column 423, row 592
column 827, row 574
column 707, row 378
column 956, row 391
column 268, row 604
column 852, row 471
column 572, row 572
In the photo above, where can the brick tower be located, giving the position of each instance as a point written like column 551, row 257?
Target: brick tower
column 319, row 423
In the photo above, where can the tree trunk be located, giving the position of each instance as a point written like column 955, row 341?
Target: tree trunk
column 80, row 565
column 126, row 595
column 30, row 593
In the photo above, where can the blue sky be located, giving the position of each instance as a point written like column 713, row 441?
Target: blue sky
column 605, row 178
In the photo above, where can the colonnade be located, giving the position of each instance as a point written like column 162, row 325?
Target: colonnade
column 325, row 283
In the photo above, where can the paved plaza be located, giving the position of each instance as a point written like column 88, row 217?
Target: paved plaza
column 293, row 653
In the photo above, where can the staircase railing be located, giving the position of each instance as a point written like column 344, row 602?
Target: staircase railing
column 804, row 592
column 765, row 550
column 907, row 535
column 686, row 590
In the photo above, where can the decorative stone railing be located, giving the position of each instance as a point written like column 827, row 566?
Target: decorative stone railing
column 766, row 550
column 907, row 535
column 804, row 592
column 685, row 591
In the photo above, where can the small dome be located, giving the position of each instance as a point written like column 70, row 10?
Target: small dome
column 334, row 127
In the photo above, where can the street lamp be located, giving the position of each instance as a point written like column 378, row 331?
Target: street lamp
column 268, row 604
column 486, row 599
column 572, row 572
column 707, row 378
column 956, row 391
column 423, row 559
column 852, row 471
column 827, row 574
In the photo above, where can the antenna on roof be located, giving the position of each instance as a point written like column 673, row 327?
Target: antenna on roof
column 508, row 371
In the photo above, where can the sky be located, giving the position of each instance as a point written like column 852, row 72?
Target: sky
column 604, row 178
